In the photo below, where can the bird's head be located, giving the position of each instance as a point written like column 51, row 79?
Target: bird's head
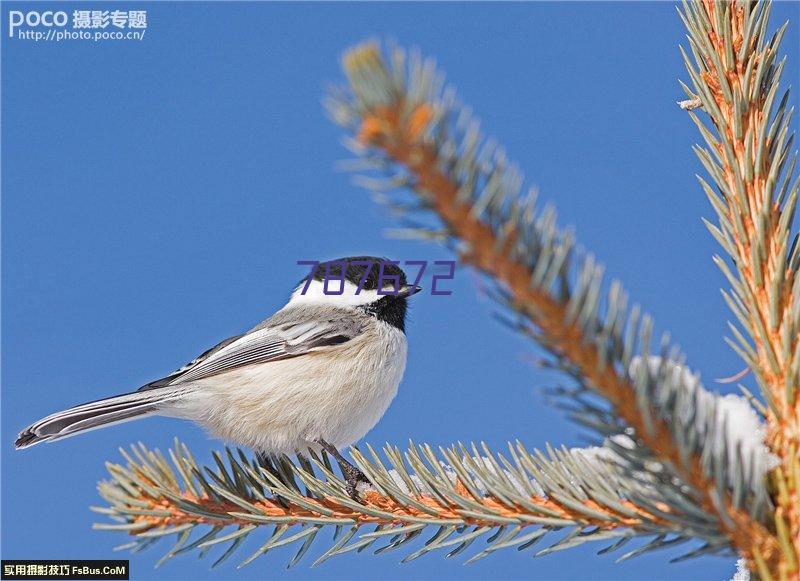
column 374, row 284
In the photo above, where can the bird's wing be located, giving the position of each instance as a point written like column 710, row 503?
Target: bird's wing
column 166, row 380
column 283, row 339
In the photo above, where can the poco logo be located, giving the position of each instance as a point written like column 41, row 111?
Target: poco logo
column 33, row 18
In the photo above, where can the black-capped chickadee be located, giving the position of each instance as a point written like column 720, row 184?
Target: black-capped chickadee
column 319, row 373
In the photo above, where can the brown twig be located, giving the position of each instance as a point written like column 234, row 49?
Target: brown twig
column 332, row 508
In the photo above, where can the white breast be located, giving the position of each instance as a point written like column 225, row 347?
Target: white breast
column 283, row 406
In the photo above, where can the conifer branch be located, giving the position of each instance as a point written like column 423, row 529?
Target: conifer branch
column 408, row 127
column 735, row 75
column 463, row 493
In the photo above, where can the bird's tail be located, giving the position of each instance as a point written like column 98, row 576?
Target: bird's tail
column 96, row 414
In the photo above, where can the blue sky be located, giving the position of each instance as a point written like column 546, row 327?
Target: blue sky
column 157, row 194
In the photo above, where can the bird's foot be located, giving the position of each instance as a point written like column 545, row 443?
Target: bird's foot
column 353, row 478
column 352, row 475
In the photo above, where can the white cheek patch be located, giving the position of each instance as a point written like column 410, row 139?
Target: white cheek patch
column 315, row 294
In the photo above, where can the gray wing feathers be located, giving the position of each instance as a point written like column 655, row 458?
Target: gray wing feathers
column 288, row 333
column 252, row 348
column 164, row 381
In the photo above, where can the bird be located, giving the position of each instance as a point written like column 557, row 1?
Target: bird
column 316, row 375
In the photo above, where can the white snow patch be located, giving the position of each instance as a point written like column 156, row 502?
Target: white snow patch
column 742, row 572
column 736, row 423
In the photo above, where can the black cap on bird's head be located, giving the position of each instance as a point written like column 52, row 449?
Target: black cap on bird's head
column 376, row 285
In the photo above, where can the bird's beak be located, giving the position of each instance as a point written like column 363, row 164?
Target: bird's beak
column 409, row 290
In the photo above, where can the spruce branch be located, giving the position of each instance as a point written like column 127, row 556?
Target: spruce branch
column 456, row 496
column 735, row 74
column 409, row 128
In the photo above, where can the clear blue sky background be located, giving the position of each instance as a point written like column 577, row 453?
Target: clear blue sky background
column 157, row 194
